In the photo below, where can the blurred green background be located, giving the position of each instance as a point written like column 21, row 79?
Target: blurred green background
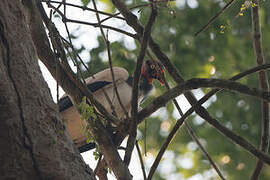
column 223, row 50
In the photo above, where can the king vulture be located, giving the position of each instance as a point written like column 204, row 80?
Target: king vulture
column 103, row 80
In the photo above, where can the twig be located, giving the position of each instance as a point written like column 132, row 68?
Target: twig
column 141, row 160
column 192, row 109
column 107, row 43
column 236, row 138
column 214, row 17
column 257, row 43
column 135, row 88
column 78, row 66
column 108, row 48
column 89, row 72
column 194, row 137
column 65, row 19
column 56, row 37
column 84, row 8
column 137, row 6
column 199, row 83
column 192, row 134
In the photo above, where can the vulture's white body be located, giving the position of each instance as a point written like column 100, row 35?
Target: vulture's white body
column 72, row 116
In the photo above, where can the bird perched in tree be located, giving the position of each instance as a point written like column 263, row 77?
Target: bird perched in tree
column 103, row 82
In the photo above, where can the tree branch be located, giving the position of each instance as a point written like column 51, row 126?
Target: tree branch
column 137, row 73
column 141, row 160
column 214, row 17
column 192, row 109
column 65, row 19
column 68, row 72
column 107, row 43
column 199, row 83
column 83, row 8
column 78, row 90
column 193, row 136
column 257, row 43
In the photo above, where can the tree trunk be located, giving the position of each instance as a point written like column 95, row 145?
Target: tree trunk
column 34, row 143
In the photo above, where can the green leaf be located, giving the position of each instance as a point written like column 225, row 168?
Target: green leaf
column 85, row 2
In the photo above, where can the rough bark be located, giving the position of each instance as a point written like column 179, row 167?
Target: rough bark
column 33, row 141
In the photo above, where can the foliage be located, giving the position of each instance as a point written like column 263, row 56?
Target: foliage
column 87, row 115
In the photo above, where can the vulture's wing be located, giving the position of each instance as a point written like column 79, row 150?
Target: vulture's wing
column 100, row 80
column 105, row 75
column 96, row 82
column 65, row 102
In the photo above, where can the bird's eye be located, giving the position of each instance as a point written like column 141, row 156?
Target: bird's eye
column 152, row 66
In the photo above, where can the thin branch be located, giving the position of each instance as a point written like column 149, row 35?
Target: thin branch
column 84, row 8
column 101, row 171
column 234, row 137
column 162, row 150
column 65, row 19
column 214, row 17
column 137, row 73
column 192, row 134
column 141, row 160
column 56, row 37
column 107, row 43
column 76, row 63
column 137, row 6
column 192, row 109
column 194, row 137
column 145, row 113
column 199, row 83
column 263, row 84
column 89, row 72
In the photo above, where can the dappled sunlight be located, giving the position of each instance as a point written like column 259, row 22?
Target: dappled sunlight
column 240, row 166
column 225, row 159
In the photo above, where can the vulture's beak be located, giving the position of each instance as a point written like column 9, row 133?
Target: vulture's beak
column 159, row 76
